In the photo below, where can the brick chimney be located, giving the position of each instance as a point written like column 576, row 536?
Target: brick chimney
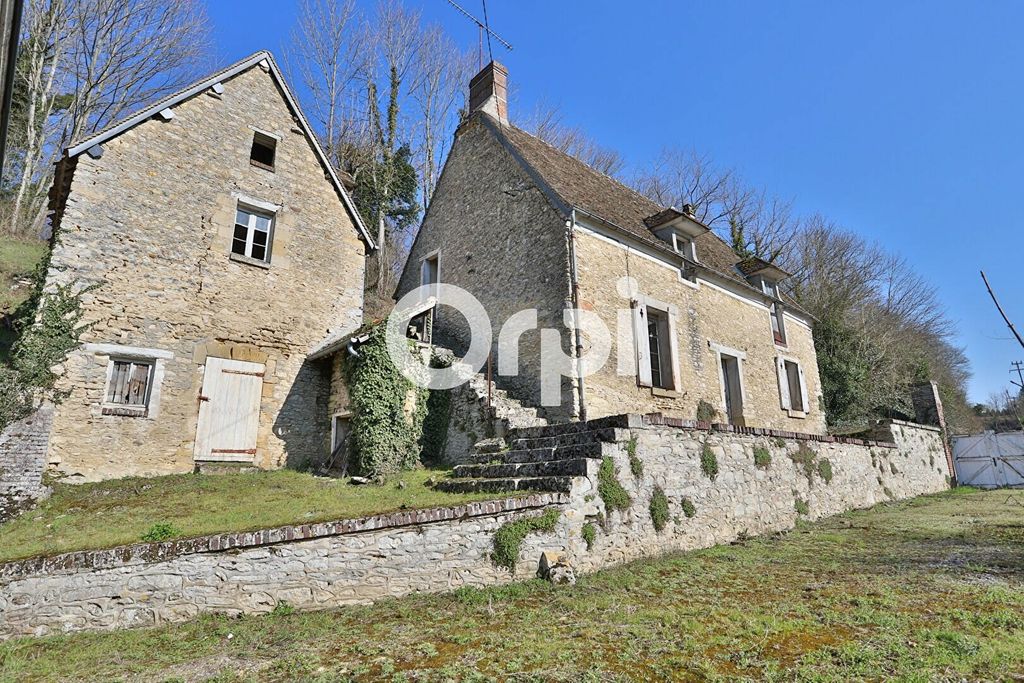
column 488, row 91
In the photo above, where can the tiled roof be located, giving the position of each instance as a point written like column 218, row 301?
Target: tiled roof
column 582, row 187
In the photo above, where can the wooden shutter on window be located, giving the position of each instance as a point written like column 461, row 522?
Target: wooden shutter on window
column 643, row 348
column 803, row 389
column 673, row 345
column 780, row 367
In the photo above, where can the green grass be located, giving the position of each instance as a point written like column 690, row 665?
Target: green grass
column 924, row 590
column 122, row 511
column 17, row 260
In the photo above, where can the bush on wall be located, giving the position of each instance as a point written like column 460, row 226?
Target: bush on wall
column 388, row 410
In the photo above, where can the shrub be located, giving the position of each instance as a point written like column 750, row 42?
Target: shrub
column 762, row 457
column 706, row 412
column 689, row 509
column 385, row 435
column 636, row 465
column 801, row 506
column 609, row 488
column 708, row 462
column 589, row 534
column 509, row 538
column 805, row 457
column 161, row 531
column 825, row 470
column 659, row 508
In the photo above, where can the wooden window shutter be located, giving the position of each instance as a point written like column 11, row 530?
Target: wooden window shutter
column 673, row 345
column 643, row 349
column 803, row 389
column 780, row 367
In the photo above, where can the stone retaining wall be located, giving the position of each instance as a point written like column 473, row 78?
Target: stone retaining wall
column 318, row 566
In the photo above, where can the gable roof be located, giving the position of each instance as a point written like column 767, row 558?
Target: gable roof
column 571, row 184
column 201, row 86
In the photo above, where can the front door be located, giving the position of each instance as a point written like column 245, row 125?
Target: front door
column 229, row 410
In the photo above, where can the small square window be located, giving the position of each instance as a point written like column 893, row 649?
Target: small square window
column 252, row 235
column 263, row 150
column 128, row 387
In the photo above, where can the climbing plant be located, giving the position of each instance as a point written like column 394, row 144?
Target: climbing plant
column 609, row 488
column 388, row 410
column 509, row 537
column 659, row 508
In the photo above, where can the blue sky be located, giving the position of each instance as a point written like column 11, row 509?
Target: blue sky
column 902, row 121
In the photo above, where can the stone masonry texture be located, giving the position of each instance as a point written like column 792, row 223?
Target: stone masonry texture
column 497, row 236
column 707, row 315
column 23, row 447
column 319, row 566
column 151, row 223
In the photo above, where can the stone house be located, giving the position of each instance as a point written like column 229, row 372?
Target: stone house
column 520, row 224
column 225, row 249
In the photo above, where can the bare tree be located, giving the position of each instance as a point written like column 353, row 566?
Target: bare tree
column 329, row 56
column 548, row 125
column 442, row 71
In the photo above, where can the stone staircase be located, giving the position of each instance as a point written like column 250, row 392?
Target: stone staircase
column 538, row 458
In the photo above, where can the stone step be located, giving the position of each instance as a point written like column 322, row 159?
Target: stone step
column 517, row 442
column 619, row 421
column 557, row 484
column 490, row 446
column 576, row 467
column 587, row 450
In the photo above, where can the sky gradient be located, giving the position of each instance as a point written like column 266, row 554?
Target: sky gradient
column 900, row 121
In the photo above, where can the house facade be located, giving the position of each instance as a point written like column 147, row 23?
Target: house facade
column 521, row 225
column 222, row 249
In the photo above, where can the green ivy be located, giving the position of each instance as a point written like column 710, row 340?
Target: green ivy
column 708, row 462
column 509, row 537
column 386, row 439
column 636, row 465
column 762, row 457
column 50, row 328
column 609, row 488
column 435, row 424
column 659, row 508
column 825, row 470
column 589, row 533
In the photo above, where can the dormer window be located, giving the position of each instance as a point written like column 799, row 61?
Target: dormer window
column 685, row 246
column 264, row 149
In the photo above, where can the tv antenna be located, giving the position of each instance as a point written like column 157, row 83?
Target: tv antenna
column 484, row 29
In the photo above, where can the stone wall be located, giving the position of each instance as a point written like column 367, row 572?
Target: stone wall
column 318, row 566
column 496, row 235
column 23, row 447
column 151, row 223
column 708, row 317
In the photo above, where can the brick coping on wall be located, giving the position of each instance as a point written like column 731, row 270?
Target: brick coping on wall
column 139, row 553
column 660, row 420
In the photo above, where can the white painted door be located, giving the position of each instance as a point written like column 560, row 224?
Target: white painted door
column 229, row 410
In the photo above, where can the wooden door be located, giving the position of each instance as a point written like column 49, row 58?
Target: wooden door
column 229, row 410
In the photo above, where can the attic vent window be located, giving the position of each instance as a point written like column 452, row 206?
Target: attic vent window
column 263, row 150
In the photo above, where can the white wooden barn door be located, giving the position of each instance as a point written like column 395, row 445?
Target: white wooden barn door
column 229, row 410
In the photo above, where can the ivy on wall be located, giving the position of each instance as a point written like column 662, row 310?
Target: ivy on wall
column 388, row 410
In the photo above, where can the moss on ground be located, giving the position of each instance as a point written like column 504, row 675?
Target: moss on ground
column 913, row 591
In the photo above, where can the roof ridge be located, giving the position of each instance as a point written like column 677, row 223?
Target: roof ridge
column 170, row 97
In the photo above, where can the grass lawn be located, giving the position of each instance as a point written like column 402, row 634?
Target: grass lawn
column 121, row 511
column 17, row 259
column 925, row 590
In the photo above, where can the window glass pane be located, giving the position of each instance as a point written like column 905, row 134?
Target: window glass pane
column 238, row 246
column 262, row 223
column 242, row 217
column 259, row 238
column 259, row 251
column 240, row 232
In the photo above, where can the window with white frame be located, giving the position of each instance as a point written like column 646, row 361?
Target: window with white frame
column 792, row 386
column 685, row 246
column 656, row 347
column 253, row 233
column 129, row 386
column 778, row 326
column 430, row 271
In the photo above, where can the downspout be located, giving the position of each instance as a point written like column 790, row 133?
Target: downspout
column 575, row 282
